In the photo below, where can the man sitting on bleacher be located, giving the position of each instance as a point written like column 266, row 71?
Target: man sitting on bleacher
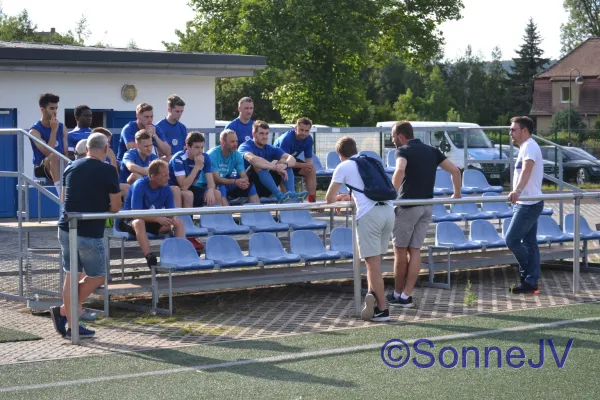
column 187, row 166
column 296, row 142
column 267, row 166
column 54, row 134
column 149, row 193
column 136, row 162
column 144, row 114
column 229, row 172
column 83, row 117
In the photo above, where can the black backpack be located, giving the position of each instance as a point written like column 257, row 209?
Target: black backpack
column 378, row 186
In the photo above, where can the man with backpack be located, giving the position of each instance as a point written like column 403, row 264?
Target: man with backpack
column 414, row 177
column 372, row 192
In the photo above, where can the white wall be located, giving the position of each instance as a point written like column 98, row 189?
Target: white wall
column 21, row 89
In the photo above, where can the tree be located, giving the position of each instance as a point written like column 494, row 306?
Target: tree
column 81, row 30
column 495, row 101
column 319, row 49
column 528, row 63
column 132, row 45
column 20, row 28
column 584, row 22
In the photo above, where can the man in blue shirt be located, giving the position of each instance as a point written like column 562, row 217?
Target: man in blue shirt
column 144, row 114
column 83, row 117
column 229, row 171
column 187, row 166
column 242, row 125
column 268, row 166
column 137, row 160
column 175, row 132
column 54, row 134
column 149, row 193
column 296, row 142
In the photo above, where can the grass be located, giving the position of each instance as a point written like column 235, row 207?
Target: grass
column 11, row 335
column 548, row 186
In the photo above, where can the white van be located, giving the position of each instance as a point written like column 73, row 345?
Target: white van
column 449, row 139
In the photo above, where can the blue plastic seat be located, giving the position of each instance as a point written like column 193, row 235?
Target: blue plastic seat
column 475, row 182
column 176, row 255
column 222, row 224
column 549, row 229
column 443, row 183
column 192, row 230
column 301, row 220
column 547, row 211
column 391, row 159
column 308, row 245
column 506, row 224
column 340, row 239
column 225, row 252
column 333, row 160
column 449, row 235
column 501, row 208
column 485, row 232
column 268, row 249
column 262, row 221
column 585, row 232
column 440, row 214
column 319, row 170
column 469, row 212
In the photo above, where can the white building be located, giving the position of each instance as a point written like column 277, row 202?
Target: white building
column 111, row 82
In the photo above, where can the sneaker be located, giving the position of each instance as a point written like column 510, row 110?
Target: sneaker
column 300, row 196
column 83, row 332
column 381, row 316
column 399, row 301
column 284, row 197
column 369, row 308
column 151, row 260
column 238, row 201
column 58, row 320
column 525, row 288
column 88, row 316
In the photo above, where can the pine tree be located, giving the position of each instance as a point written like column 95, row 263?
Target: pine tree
column 528, row 63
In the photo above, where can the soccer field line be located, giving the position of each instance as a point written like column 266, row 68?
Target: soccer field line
column 286, row 357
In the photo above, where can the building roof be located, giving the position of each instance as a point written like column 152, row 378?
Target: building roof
column 43, row 56
column 585, row 57
column 588, row 104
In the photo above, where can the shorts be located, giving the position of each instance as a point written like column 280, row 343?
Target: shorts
column 231, row 191
column 91, row 254
column 374, row 230
column 261, row 189
column 300, row 164
column 410, row 226
column 40, row 171
column 199, row 193
column 126, row 226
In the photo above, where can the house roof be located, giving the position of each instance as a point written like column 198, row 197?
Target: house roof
column 588, row 101
column 585, row 57
column 42, row 56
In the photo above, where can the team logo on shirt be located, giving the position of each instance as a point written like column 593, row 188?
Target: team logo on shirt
column 174, row 141
column 248, row 138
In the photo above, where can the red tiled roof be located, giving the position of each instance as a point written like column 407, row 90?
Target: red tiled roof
column 585, row 57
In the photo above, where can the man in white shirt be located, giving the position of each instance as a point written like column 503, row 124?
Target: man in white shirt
column 521, row 236
column 375, row 220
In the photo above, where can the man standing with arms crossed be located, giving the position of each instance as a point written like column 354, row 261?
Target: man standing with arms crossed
column 414, row 178
column 90, row 186
column 521, row 235
column 174, row 131
column 242, row 125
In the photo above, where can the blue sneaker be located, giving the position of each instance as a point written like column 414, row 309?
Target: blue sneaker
column 83, row 332
column 300, row 196
column 284, row 197
column 58, row 320
column 88, row 316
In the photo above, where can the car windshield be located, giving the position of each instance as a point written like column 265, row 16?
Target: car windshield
column 476, row 139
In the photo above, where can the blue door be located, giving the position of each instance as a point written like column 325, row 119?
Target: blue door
column 8, row 162
column 117, row 120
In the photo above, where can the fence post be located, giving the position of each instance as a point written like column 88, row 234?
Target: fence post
column 576, row 243
column 357, row 277
column 560, row 186
column 20, row 166
column 74, row 275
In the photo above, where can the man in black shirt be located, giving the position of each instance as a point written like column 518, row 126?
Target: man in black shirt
column 414, row 177
column 89, row 185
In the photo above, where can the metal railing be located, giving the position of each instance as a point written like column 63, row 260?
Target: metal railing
column 73, row 219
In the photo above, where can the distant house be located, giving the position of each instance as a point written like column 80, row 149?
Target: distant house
column 551, row 87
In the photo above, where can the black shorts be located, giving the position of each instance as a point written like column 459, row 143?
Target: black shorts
column 40, row 171
column 151, row 227
column 261, row 189
column 301, row 163
column 199, row 193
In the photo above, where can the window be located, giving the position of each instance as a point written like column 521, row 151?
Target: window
column 565, row 94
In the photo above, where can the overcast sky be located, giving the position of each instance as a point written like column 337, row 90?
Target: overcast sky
column 484, row 25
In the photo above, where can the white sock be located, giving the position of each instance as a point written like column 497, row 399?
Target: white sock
column 396, row 294
column 403, row 296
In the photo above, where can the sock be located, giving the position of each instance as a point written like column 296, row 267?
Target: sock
column 396, row 294
column 403, row 296
column 312, row 198
column 267, row 180
column 289, row 184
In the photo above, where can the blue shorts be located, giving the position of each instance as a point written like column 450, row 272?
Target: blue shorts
column 231, row 191
column 92, row 254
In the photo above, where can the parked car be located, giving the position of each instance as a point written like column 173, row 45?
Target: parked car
column 578, row 165
column 548, row 165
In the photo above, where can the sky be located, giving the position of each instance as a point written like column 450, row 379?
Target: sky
column 485, row 23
